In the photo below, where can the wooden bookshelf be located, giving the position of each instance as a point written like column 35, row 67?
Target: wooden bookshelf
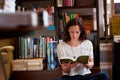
column 36, row 75
column 7, row 32
column 43, row 75
column 46, row 74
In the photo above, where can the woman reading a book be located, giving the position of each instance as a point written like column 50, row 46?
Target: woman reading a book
column 75, row 44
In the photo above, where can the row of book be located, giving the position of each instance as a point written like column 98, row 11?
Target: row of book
column 52, row 61
column 106, row 51
column 62, row 3
column 65, row 17
column 28, row 64
column 32, row 47
column 106, row 67
column 44, row 47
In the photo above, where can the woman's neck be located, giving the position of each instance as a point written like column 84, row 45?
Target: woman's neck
column 74, row 43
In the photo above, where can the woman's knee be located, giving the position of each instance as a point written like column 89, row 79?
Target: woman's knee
column 104, row 76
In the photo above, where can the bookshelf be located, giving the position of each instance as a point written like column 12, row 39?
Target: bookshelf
column 36, row 75
column 41, row 4
column 28, row 31
column 8, row 33
column 17, row 31
column 93, row 35
column 88, row 11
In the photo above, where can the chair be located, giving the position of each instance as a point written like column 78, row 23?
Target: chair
column 7, row 56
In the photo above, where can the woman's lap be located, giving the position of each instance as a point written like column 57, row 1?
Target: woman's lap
column 98, row 76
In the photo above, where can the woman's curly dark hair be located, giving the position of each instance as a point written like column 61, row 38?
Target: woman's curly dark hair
column 73, row 22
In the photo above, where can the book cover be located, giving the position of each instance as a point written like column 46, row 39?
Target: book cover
column 56, row 62
column 21, row 55
column 81, row 59
column 41, row 46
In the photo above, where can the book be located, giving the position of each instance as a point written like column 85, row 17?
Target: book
column 81, row 59
column 28, row 64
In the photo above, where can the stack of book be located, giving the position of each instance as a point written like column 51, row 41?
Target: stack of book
column 28, row 64
column 116, row 38
column 35, row 64
column 19, row 65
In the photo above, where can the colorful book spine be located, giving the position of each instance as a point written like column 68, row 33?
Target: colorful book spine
column 25, row 51
column 40, row 46
column 48, row 53
column 35, row 48
column 22, row 48
column 44, row 47
column 51, row 56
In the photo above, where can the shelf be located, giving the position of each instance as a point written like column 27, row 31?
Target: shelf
column 75, row 7
column 22, row 29
column 22, row 1
column 32, row 0
column 43, row 75
column 36, row 75
column 16, row 24
column 16, row 31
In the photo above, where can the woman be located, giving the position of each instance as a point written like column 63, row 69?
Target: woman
column 74, row 44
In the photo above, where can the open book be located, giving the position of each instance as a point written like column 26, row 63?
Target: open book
column 81, row 59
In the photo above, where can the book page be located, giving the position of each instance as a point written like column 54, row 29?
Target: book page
column 81, row 59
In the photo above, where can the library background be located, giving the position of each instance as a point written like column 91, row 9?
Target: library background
column 31, row 29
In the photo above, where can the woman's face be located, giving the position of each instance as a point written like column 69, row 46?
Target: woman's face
column 74, row 32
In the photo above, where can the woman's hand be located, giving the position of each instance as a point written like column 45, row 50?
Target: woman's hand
column 90, row 63
column 66, row 67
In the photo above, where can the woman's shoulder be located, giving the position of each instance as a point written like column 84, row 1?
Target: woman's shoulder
column 61, row 43
column 87, row 41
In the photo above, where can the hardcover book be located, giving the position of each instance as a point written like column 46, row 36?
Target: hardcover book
column 81, row 59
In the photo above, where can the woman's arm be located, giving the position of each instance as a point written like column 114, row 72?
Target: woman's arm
column 66, row 67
